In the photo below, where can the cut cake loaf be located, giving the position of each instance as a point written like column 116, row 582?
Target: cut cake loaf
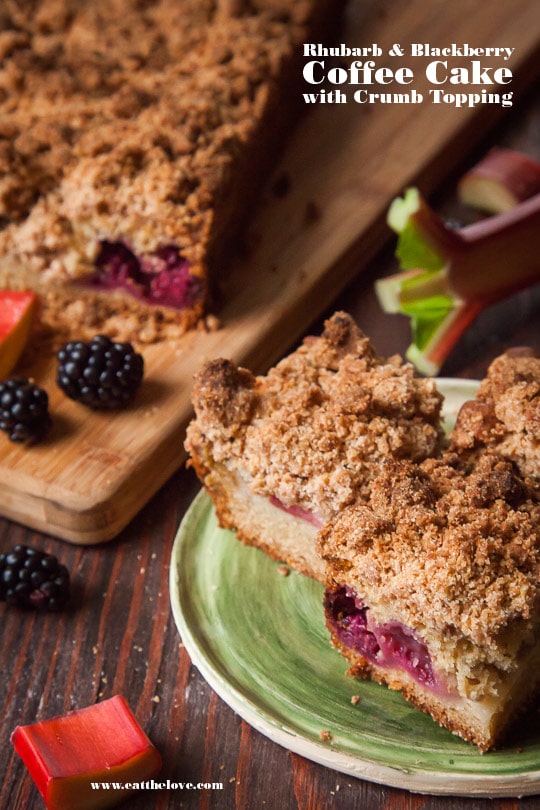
column 434, row 589
column 133, row 140
column 282, row 454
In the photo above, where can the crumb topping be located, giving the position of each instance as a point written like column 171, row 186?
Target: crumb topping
column 314, row 430
column 505, row 416
column 453, row 551
column 123, row 118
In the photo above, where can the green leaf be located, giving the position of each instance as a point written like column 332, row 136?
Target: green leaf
column 429, row 308
column 413, row 250
column 425, row 325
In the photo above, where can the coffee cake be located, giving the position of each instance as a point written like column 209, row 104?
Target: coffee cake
column 433, row 588
column 282, row 454
column 505, row 414
column 133, row 140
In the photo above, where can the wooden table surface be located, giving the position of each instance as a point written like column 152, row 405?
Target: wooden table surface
column 118, row 636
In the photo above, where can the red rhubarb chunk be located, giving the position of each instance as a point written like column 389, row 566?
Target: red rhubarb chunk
column 297, row 511
column 18, row 313
column 500, row 181
column 101, row 743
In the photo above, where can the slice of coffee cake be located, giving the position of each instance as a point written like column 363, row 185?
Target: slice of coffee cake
column 281, row 454
column 133, row 139
column 434, row 590
column 505, row 415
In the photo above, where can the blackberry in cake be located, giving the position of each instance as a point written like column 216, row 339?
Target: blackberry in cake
column 433, row 589
column 281, row 454
column 133, row 140
column 505, row 415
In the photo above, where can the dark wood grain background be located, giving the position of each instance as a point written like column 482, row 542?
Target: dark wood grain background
column 118, row 636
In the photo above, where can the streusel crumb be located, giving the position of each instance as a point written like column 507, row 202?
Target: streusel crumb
column 313, row 432
column 505, row 416
column 141, row 125
column 452, row 551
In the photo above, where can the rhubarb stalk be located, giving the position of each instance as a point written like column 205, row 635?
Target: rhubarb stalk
column 69, row 757
column 450, row 276
column 501, row 180
column 18, row 316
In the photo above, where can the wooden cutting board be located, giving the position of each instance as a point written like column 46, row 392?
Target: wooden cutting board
column 345, row 163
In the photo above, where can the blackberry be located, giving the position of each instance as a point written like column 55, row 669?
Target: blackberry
column 24, row 410
column 99, row 373
column 32, row 579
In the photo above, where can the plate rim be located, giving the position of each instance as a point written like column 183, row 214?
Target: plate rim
column 415, row 779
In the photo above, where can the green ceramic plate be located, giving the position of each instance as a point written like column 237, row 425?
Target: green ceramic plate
column 259, row 639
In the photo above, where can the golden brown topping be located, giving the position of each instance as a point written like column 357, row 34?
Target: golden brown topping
column 341, row 332
column 488, row 482
column 121, row 119
column 447, row 549
column 226, row 391
column 505, row 416
column 315, row 429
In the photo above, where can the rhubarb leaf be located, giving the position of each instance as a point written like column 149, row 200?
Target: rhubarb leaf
column 437, row 306
column 413, row 251
column 425, row 324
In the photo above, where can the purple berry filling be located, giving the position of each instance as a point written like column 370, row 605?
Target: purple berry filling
column 162, row 278
column 387, row 645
